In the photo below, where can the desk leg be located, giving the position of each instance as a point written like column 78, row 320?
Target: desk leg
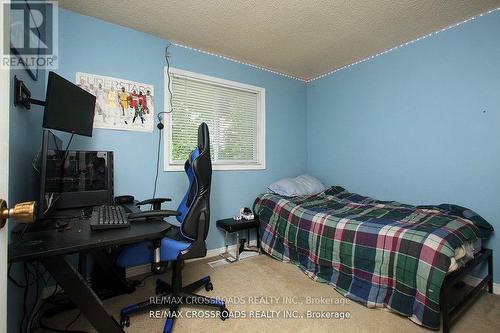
column 225, row 240
column 81, row 294
column 237, row 246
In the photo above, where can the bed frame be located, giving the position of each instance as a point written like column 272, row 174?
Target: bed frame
column 450, row 309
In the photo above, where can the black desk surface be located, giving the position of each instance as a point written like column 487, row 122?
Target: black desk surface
column 79, row 237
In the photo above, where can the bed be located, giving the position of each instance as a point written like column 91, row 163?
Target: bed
column 378, row 253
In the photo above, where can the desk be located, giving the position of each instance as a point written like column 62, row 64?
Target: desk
column 51, row 246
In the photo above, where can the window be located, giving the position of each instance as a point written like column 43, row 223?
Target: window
column 233, row 111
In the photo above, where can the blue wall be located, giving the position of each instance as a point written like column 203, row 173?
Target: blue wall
column 94, row 46
column 419, row 125
column 25, row 140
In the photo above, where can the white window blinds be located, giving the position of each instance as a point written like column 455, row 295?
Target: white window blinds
column 232, row 111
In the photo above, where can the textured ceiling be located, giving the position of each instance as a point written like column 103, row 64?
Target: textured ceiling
column 303, row 38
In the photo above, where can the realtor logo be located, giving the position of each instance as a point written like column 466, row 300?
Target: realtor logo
column 29, row 35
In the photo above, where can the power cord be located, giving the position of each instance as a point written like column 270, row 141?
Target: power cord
column 30, row 279
column 157, row 162
column 160, row 124
column 53, row 329
column 43, row 302
column 169, row 85
column 169, row 89
column 73, row 321
column 36, row 158
column 40, row 314
column 33, row 274
column 37, row 292
column 55, row 140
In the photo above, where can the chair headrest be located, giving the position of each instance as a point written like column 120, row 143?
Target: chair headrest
column 203, row 138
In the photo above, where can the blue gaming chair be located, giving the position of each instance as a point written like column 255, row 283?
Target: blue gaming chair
column 180, row 243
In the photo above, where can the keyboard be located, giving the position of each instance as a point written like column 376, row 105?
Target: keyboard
column 108, row 217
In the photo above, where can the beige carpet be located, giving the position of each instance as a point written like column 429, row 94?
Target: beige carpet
column 263, row 276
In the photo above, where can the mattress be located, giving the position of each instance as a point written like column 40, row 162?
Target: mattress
column 379, row 253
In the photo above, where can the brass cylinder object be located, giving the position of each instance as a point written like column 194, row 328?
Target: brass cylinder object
column 23, row 212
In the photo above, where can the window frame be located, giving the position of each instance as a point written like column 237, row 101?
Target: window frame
column 170, row 165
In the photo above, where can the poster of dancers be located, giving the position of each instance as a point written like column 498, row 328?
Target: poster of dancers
column 120, row 104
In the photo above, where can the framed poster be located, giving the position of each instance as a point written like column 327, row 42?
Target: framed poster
column 120, row 104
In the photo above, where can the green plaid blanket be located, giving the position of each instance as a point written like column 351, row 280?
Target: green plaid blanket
column 378, row 253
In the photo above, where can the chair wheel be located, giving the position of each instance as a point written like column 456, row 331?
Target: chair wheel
column 209, row 286
column 224, row 313
column 158, row 269
column 125, row 321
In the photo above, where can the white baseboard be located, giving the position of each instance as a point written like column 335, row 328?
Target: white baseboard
column 144, row 269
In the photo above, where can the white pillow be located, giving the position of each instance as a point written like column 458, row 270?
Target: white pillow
column 301, row 185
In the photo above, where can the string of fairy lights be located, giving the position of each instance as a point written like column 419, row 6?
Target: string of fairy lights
column 238, row 61
column 401, row 45
column 343, row 67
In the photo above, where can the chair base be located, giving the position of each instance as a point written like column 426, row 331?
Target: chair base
column 173, row 296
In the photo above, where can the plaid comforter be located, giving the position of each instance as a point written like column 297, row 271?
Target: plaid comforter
column 378, row 253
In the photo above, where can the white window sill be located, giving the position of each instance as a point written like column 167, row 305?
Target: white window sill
column 220, row 167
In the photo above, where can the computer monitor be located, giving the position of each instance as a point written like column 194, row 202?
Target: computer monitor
column 73, row 178
column 68, row 107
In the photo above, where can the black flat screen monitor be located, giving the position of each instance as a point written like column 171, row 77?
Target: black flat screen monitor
column 68, row 107
column 73, row 178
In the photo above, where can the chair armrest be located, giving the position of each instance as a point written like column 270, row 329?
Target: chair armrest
column 154, row 214
column 156, row 202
